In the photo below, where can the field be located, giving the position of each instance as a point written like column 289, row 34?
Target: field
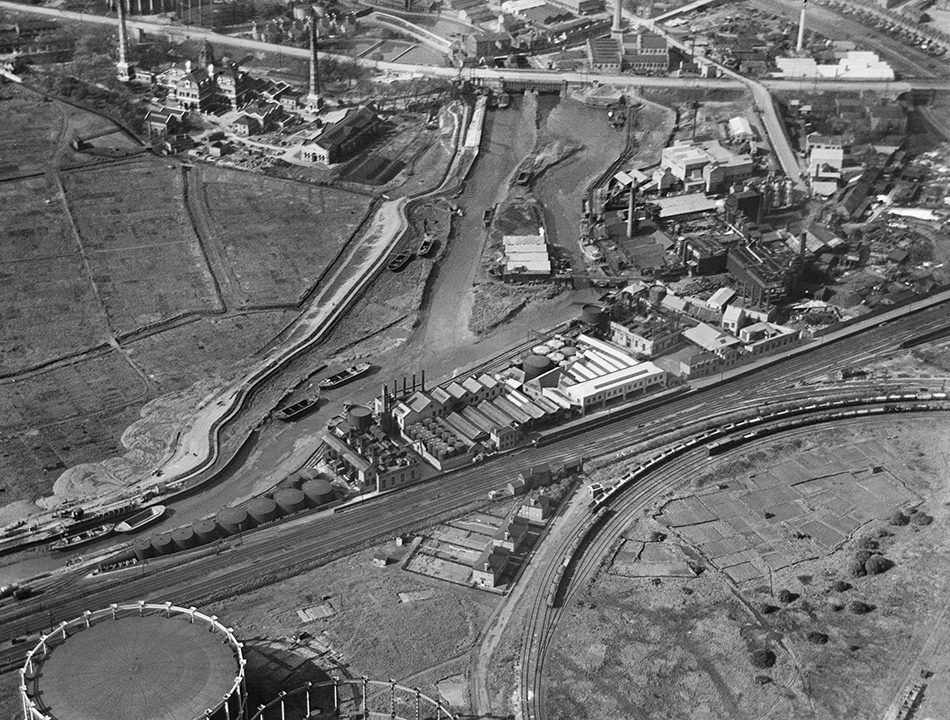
column 44, row 283
column 29, row 124
column 673, row 627
column 277, row 237
column 143, row 253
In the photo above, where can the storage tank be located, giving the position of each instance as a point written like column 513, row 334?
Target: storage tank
column 319, row 491
column 555, row 343
column 141, row 662
column 262, row 510
column 206, row 531
column 183, row 538
column 231, row 521
column 568, row 352
column 162, row 544
column 290, row 500
column 540, row 350
column 535, row 365
column 142, row 547
column 359, row 417
column 302, row 477
column 592, row 314
column 556, row 357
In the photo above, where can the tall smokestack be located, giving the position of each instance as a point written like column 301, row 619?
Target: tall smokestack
column 313, row 96
column 801, row 27
column 630, row 212
column 617, row 29
column 125, row 71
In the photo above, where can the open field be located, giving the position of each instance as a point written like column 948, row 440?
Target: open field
column 384, row 622
column 44, row 282
column 28, row 133
column 278, row 236
column 672, row 645
column 143, row 252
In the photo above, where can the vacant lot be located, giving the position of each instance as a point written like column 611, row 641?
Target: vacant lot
column 143, row 252
column 47, row 305
column 843, row 645
column 278, row 236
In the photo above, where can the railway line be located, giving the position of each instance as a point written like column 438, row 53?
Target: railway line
column 590, row 543
column 280, row 550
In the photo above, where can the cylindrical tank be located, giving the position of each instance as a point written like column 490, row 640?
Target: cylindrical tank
column 142, row 547
column 592, row 314
column 540, row 350
column 205, row 531
column 302, row 477
column 262, row 510
column 556, row 357
column 184, row 538
column 162, row 661
column 657, row 293
column 162, row 544
column 233, row 520
column 319, row 491
column 535, row 365
column 568, row 352
column 555, row 343
column 290, row 500
column 360, row 417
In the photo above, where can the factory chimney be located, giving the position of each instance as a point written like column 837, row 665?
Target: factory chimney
column 126, row 70
column 617, row 29
column 801, row 27
column 313, row 96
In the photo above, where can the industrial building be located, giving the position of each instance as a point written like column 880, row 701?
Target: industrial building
column 341, row 140
column 526, row 257
column 144, row 661
column 705, row 166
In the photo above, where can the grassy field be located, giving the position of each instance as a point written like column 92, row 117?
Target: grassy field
column 278, row 237
column 44, row 283
column 28, row 133
column 143, row 252
column 668, row 646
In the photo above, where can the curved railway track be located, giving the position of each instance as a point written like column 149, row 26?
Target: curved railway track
column 590, row 544
column 280, row 550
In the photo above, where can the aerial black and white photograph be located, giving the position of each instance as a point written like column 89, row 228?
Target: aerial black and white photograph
column 474, row 359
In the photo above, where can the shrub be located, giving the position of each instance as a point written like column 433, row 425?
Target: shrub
column 860, row 608
column 877, row 565
column 762, row 679
column 842, row 586
column 899, row 518
column 769, row 609
column 921, row 518
column 867, row 543
column 863, row 556
column 763, row 659
column 786, row 596
column 818, row 638
column 856, row 568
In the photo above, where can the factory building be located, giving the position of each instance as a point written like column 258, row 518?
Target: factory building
column 646, row 336
column 705, row 166
column 341, row 140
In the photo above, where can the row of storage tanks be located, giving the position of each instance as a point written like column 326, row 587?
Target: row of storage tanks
column 560, row 350
column 313, row 493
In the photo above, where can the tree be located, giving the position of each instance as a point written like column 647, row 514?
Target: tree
column 899, row 518
column 786, row 596
column 763, row 659
column 818, row 638
column 860, row 608
column 921, row 518
column 856, row 568
column 877, row 565
column 842, row 586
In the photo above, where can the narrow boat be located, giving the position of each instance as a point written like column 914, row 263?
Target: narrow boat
column 298, row 409
column 344, row 376
column 400, row 261
column 425, row 247
column 83, row 538
column 141, row 519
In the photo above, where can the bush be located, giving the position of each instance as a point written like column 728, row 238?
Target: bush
column 786, row 596
column 769, row 609
column 921, row 518
column 842, row 586
column 867, row 543
column 762, row 679
column 763, row 659
column 863, row 556
column 856, row 568
column 899, row 518
column 860, row 608
column 818, row 638
column 877, row 565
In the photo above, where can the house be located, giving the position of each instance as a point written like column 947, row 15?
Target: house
column 513, row 534
column 233, row 86
column 492, row 45
column 345, row 138
column 646, row 53
column 265, row 114
column 740, row 129
column 245, row 126
column 536, row 476
column 490, row 566
column 197, row 90
column 164, row 122
column 537, row 510
column 604, row 54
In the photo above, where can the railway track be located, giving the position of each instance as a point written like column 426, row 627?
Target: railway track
column 586, row 556
column 284, row 548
